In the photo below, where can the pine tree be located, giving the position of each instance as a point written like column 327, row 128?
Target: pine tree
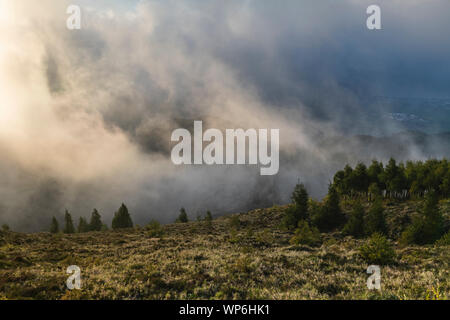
column 360, row 178
column 182, row 218
column 329, row 216
column 122, row 218
column 434, row 220
column 427, row 227
column 96, row 221
column 300, row 199
column 208, row 216
column 375, row 221
column 54, row 227
column 355, row 225
column 83, row 225
column 299, row 209
column 68, row 227
column 208, row 219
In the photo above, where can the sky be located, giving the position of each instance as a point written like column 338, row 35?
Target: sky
column 86, row 115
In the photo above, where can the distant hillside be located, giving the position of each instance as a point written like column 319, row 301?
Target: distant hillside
column 401, row 146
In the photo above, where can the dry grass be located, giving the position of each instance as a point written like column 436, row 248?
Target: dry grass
column 200, row 261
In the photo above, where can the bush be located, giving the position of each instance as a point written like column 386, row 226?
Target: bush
column 355, row 225
column 427, row 227
column 264, row 238
column 444, row 241
column 182, row 218
column 289, row 219
column 375, row 221
column 234, row 222
column 377, row 250
column 5, row 227
column 154, row 229
column 122, row 219
column 305, row 234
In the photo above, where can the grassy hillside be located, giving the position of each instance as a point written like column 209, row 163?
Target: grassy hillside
column 245, row 256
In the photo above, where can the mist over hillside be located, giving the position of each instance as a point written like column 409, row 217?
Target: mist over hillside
column 86, row 116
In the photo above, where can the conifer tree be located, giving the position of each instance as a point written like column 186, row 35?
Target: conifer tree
column 329, row 216
column 95, row 223
column 375, row 221
column 54, row 227
column 68, row 227
column 183, row 217
column 122, row 218
column 427, row 227
column 355, row 224
column 83, row 225
column 299, row 209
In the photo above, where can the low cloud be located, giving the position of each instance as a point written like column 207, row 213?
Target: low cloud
column 86, row 116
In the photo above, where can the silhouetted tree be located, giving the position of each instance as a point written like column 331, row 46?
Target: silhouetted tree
column 96, row 221
column 54, row 226
column 183, row 217
column 122, row 218
column 68, row 227
column 83, row 225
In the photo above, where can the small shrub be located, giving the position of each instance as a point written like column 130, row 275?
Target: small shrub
column 234, row 222
column 154, row 229
column 234, row 238
column 290, row 220
column 264, row 238
column 377, row 250
column 5, row 227
column 444, row 241
column 305, row 234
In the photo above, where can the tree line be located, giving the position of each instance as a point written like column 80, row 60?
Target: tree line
column 413, row 179
column 308, row 217
column 122, row 219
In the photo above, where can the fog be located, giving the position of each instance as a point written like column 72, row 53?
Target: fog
column 86, row 115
